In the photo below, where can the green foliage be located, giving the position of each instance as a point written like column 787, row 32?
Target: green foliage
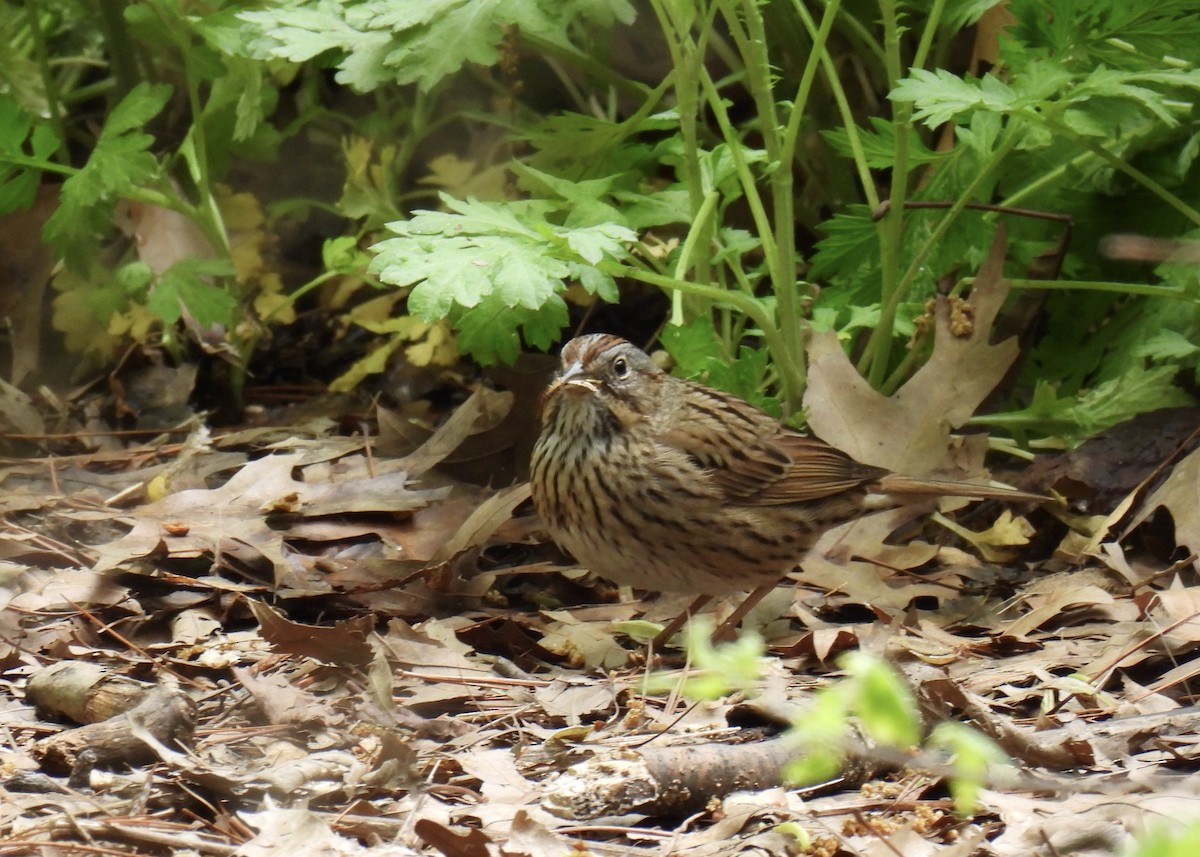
column 871, row 706
column 374, row 42
column 1167, row 840
column 21, row 141
column 875, row 696
column 697, row 351
column 715, row 671
column 974, row 759
column 187, row 286
column 120, row 161
column 498, row 268
column 735, row 158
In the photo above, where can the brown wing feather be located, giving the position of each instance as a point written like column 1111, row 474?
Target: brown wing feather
column 818, row 470
column 753, row 459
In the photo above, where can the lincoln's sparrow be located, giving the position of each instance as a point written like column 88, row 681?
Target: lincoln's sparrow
column 665, row 484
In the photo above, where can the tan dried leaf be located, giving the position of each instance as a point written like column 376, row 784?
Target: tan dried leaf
column 910, row 431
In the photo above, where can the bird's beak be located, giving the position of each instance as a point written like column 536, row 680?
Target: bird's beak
column 572, row 371
column 572, row 378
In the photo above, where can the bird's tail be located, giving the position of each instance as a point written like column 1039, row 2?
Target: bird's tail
column 913, row 486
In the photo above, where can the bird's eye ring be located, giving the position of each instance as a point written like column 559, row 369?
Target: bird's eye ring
column 620, row 367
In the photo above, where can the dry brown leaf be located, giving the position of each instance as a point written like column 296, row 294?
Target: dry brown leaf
column 281, row 702
column 343, row 642
column 232, row 519
column 584, row 643
column 1176, row 612
column 910, row 431
column 482, row 411
column 571, row 700
column 1180, row 495
column 497, row 770
column 1049, row 605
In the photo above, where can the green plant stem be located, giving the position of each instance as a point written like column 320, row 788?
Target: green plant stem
column 1128, row 169
column 121, row 50
column 745, row 304
column 592, row 68
column 845, row 111
column 301, row 291
column 758, row 211
column 37, row 164
column 746, row 27
column 875, row 348
column 1046, row 180
column 855, row 28
column 912, row 355
column 684, row 263
column 49, row 82
column 890, row 228
column 1096, row 286
column 795, row 329
column 932, row 20
column 687, row 60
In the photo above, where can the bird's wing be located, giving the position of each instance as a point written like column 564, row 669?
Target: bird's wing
column 754, row 460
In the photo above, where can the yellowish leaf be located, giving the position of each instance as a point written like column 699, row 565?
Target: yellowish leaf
column 1007, row 531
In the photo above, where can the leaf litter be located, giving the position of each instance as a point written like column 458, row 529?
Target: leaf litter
column 320, row 647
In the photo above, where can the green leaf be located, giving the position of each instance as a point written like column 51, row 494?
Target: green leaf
column 975, row 758
column 692, row 346
column 503, row 263
column 120, row 163
column 882, row 701
column 21, row 140
column 820, row 737
column 187, row 286
column 1166, row 345
column 851, row 243
column 1174, row 838
column 939, row 96
column 491, row 332
column 879, row 145
column 1080, row 415
column 373, row 42
column 716, row 671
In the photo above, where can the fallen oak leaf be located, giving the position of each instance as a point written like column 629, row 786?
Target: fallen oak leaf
column 910, row 431
column 344, row 642
column 233, row 519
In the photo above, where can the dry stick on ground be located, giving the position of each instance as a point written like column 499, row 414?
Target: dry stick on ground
column 673, row 780
column 166, row 713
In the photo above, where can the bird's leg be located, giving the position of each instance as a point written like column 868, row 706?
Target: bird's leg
column 664, row 636
column 725, row 632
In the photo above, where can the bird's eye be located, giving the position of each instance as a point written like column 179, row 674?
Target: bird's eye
column 620, row 367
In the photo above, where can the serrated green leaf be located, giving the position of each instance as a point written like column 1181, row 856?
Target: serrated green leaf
column 21, row 139
column 186, row 286
column 940, row 96
column 376, row 41
column 879, row 145
column 465, row 270
column 1167, row 345
column 1083, row 414
column 594, row 244
column 491, row 332
column 691, row 346
column 503, row 257
column 597, row 282
column 120, row 162
column 851, row 242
